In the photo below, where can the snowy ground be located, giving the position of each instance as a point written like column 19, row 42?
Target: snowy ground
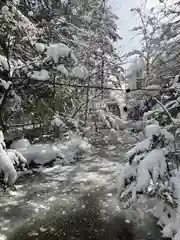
column 60, row 184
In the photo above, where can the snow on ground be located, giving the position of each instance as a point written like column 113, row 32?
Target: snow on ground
column 43, row 153
column 21, row 143
column 38, row 191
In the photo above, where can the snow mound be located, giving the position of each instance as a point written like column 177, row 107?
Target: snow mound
column 30, row 14
column 41, row 75
column 5, row 84
column 169, row 217
column 153, row 164
column 1, row 137
column 177, row 236
column 55, row 51
column 21, row 143
column 86, row 18
column 102, row 117
column 139, row 148
column 40, row 47
column 153, row 93
column 79, row 72
column 61, row 68
column 9, row 159
column 75, row 146
column 7, row 167
column 113, row 136
column 138, row 175
column 152, row 130
column 45, row 153
column 40, row 153
column 78, row 142
column 4, row 63
column 175, row 82
column 5, row 9
column 12, row 156
column 16, row 156
column 57, row 121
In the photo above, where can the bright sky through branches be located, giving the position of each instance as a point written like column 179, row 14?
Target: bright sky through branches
column 127, row 20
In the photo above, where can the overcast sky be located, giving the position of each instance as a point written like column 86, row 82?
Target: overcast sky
column 127, row 20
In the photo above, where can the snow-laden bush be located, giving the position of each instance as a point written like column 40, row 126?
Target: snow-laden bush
column 79, row 72
column 40, row 154
column 168, row 214
column 10, row 161
column 55, row 51
column 147, row 164
column 150, row 172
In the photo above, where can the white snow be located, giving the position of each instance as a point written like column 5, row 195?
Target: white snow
column 167, row 231
column 3, row 237
column 25, row 23
column 127, row 221
column 18, row 155
column 154, row 163
column 5, row 9
column 151, row 130
column 177, row 236
column 79, row 72
column 12, row 156
column 43, row 153
column 55, row 51
column 61, row 68
column 73, row 57
column 124, row 114
column 57, row 122
column 149, row 169
column 9, row 158
column 21, row 143
column 41, row 75
column 10, row 174
column 5, row 84
column 129, row 170
column 30, row 14
column 40, row 153
column 140, row 147
column 75, row 144
column 113, row 136
column 86, row 18
column 102, row 117
column 1, row 137
column 40, row 47
column 3, row 63
column 168, row 136
column 153, row 92
column 176, row 83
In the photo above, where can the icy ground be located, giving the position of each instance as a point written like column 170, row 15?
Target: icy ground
column 38, row 192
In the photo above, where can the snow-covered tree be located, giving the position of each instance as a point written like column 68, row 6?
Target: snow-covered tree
column 152, row 173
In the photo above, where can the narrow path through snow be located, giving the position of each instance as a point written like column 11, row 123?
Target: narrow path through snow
column 37, row 193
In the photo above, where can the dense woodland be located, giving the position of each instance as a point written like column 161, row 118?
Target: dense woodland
column 49, row 51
